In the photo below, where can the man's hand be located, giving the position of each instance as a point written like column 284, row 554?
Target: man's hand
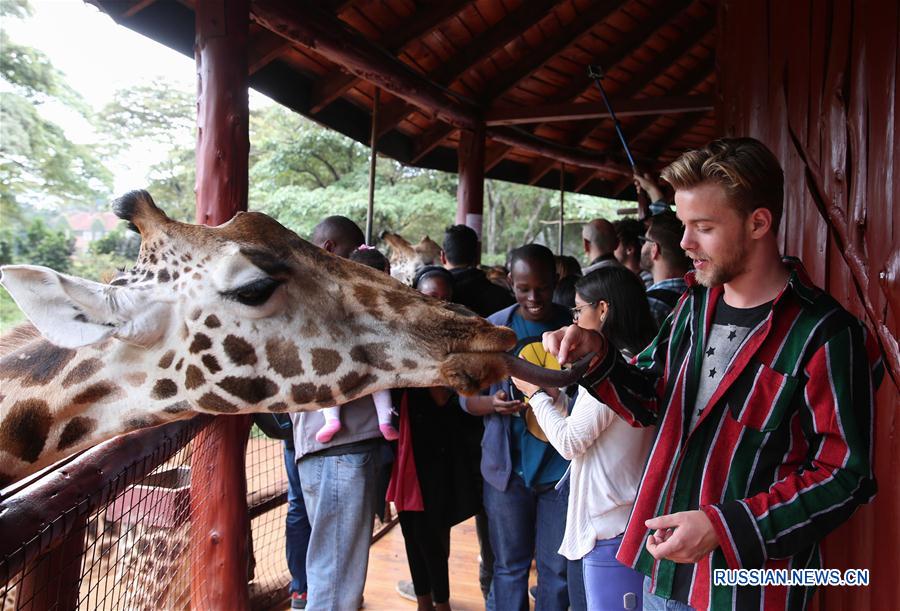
column 504, row 407
column 646, row 183
column 683, row 537
column 571, row 343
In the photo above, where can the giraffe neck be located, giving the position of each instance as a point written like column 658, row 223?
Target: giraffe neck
column 56, row 401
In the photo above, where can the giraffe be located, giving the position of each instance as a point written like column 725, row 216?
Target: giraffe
column 406, row 258
column 244, row 317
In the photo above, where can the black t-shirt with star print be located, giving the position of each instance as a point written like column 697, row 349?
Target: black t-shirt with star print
column 729, row 329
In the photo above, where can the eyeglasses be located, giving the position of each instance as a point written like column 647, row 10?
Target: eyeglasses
column 576, row 311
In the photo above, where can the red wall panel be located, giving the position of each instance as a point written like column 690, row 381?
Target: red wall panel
column 828, row 69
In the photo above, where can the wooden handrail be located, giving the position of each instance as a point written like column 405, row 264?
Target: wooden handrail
column 35, row 519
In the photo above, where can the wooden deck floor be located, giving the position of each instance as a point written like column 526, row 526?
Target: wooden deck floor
column 387, row 566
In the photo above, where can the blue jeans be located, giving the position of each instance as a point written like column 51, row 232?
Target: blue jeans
column 528, row 523
column 652, row 602
column 339, row 492
column 608, row 583
column 296, row 527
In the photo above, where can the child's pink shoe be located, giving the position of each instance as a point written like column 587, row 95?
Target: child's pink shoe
column 389, row 432
column 328, row 431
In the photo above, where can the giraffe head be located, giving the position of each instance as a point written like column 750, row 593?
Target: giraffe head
column 248, row 317
column 406, row 258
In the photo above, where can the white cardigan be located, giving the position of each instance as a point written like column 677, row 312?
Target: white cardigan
column 608, row 457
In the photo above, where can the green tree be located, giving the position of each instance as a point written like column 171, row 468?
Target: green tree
column 40, row 245
column 158, row 117
column 120, row 242
column 37, row 160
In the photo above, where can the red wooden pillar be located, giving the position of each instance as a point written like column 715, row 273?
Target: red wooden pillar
column 470, row 191
column 219, row 521
column 54, row 580
column 223, row 142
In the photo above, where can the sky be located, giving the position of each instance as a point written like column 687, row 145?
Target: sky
column 97, row 57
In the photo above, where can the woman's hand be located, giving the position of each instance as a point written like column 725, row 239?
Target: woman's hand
column 527, row 388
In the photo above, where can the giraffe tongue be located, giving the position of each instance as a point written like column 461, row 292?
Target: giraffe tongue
column 520, row 368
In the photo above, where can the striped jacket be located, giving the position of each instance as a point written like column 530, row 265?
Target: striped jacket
column 781, row 456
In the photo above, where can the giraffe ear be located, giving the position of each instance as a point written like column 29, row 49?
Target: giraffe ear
column 73, row 312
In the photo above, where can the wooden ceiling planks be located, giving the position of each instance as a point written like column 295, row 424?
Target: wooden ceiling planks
column 474, row 56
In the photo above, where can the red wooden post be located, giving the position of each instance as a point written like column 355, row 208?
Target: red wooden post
column 53, row 581
column 470, row 190
column 223, row 142
column 220, row 524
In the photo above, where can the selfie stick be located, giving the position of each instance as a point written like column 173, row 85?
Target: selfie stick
column 595, row 73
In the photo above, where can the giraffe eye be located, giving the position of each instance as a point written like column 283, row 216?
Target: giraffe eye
column 255, row 293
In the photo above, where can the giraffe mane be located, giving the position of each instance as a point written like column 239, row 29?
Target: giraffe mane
column 18, row 337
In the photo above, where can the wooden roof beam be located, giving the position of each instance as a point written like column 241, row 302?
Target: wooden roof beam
column 681, row 127
column 494, row 155
column 637, row 83
column 566, row 37
column 516, row 115
column 135, row 8
column 631, row 42
column 263, row 49
column 308, row 26
column 691, row 80
column 326, row 91
column 473, row 53
column 557, row 152
column 430, row 139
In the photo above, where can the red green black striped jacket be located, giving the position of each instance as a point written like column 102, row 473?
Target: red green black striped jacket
column 783, row 453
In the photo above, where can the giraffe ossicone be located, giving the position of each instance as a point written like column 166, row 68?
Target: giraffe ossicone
column 243, row 317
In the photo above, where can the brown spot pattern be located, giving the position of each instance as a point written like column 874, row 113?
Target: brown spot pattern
column 353, row 382
column 23, row 432
column 96, row 392
column 164, row 389
column 251, row 390
column 325, row 360
column 163, row 275
column 177, row 408
column 166, row 361
column 195, row 313
column 36, row 365
column 75, row 430
column 193, row 377
column 304, row 394
column 214, row 403
column 239, row 351
column 409, row 364
column 374, row 354
column 366, row 295
column 212, row 321
column 211, row 363
column 284, row 357
column 136, row 379
column 179, row 364
column 398, row 301
column 278, row 407
column 141, row 422
column 201, row 342
column 82, row 371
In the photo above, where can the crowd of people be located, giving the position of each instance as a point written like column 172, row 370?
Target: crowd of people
column 725, row 420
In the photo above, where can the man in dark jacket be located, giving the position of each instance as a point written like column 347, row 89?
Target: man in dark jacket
column 471, row 287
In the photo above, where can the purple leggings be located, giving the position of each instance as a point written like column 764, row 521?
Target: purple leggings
column 609, row 584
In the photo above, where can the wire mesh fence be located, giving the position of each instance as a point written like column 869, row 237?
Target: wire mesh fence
column 112, row 529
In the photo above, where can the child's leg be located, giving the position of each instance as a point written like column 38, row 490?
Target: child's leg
column 385, row 410
column 332, row 423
